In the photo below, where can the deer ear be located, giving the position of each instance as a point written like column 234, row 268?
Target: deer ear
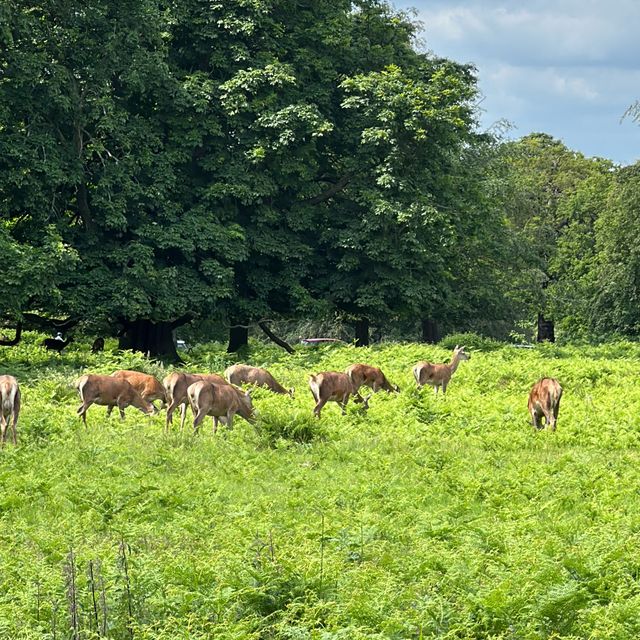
column 456, row 348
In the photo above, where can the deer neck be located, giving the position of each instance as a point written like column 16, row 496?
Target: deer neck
column 455, row 361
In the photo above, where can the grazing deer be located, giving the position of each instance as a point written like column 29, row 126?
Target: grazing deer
column 363, row 374
column 146, row 385
column 439, row 375
column 239, row 374
column 110, row 392
column 220, row 401
column 334, row 386
column 98, row 345
column 176, row 385
column 9, row 407
column 544, row 400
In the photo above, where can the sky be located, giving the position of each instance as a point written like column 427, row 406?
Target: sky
column 570, row 68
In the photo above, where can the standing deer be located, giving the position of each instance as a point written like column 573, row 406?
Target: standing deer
column 439, row 375
column 149, row 387
column 110, row 392
column 363, row 374
column 334, row 386
column 220, row 401
column 9, row 407
column 544, row 400
column 239, row 374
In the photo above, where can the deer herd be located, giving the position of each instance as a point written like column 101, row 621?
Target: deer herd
column 222, row 397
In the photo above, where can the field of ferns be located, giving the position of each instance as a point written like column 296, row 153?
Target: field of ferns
column 425, row 517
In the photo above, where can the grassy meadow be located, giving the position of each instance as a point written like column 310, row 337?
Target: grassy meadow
column 426, row 517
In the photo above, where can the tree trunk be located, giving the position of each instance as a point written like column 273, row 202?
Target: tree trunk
column 546, row 330
column 238, row 337
column 362, row 332
column 156, row 340
column 430, row 331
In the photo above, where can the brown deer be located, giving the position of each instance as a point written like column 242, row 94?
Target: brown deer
column 439, row 375
column 9, row 407
column 146, row 385
column 544, row 400
column 220, row 401
column 334, row 386
column 363, row 374
column 110, row 392
column 176, row 385
column 239, row 374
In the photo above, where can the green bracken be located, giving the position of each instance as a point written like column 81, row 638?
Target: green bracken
column 424, row 517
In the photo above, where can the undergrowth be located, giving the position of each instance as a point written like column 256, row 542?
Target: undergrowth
column 424, row 517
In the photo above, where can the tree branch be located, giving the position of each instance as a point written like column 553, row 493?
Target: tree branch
column 40, row 322
column 274, row 338
column 332, row 190
column 185, row 319
column 14, row 342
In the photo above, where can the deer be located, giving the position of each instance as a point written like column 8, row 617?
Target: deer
column 363, row 374
column 176, row 385
column 9, row 407
column 219, row 401
column 439, row 375
column 334, row 386
column 110, row 392
column 149, row 387
column 239, row 374
column 544, row 400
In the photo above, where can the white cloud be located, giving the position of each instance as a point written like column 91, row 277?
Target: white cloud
column 567, row 67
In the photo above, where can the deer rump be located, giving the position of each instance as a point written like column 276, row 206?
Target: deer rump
column 9, row 407
column 221, row 401
column 544, row 401
column 333, row 386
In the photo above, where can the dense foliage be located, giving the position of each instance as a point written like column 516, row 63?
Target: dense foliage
column 241, row 160
column 426, row 517
column 231, row 162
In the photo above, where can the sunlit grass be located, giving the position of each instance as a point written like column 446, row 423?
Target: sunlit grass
column 424, row 517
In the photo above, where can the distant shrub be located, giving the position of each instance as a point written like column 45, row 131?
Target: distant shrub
column 470, row 340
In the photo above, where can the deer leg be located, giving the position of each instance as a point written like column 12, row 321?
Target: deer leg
column 444, row 388
column 3, row 429
column 109, row 410
column 11, row 423
column 535, row 419
column 183, row 415
column 170, row 409
column 555, row 414
column 216, row 421
column 197, row 419
column 318, row 408
column 230, row 421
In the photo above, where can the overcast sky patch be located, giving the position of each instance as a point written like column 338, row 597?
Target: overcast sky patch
column 569, row 68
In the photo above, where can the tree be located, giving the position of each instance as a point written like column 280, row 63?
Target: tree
column 110, row 135
column 616, row 269
column 543, row 173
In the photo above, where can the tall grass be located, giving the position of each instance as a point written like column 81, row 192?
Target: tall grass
column 424, row 517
